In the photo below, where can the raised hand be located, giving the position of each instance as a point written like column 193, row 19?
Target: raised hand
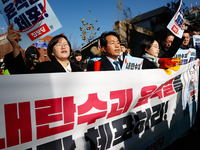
column 14, row 37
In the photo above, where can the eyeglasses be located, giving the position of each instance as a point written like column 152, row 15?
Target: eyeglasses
column 156, row 47
column 60, row 45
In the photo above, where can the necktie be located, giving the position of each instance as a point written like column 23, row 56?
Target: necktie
column 116, row 65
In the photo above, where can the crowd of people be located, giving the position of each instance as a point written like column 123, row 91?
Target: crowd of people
column 110, row 52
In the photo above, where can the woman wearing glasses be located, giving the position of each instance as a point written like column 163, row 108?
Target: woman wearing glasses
column 150, row 50
column 59, row 49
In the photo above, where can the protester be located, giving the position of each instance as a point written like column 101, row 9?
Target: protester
column 32, row 57
column 78, row 60
column 110, row 45
column 95, row 54
column 166, row 43
column 195, row 30
column 58, row 50
column 122, row 47
column 186, row 42
column 129, row 51
column 150, row 50
column 123, row 52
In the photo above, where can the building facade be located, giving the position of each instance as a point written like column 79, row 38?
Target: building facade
column 193, row 18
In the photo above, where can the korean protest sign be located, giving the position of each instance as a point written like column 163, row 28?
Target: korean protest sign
column 175, row 25
column 99, row 110
column 186, row 56
column 196, row 44
column 33, row 19
column 132, row 63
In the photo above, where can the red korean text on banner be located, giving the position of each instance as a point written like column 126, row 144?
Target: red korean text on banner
column 18, row 123
column 152, row 91
column 125, row 98
column 51, row 111
column 93, row 101
column 38, row 32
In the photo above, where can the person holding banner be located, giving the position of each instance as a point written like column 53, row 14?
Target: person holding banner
column 150, row 50
column 59, row 49
column 110, row 45
column 124, row 52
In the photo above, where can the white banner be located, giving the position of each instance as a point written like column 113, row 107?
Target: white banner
column 175, row 25
column 33, row 19
column 97, row 110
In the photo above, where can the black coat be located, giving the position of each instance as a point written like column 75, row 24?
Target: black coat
column 105, row 64
column 17, row 66
column 162, row 51
column 186, row 47
column 80, row 64
column 148, row 64
column 168, row 54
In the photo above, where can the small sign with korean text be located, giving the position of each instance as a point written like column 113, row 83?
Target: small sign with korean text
column 33, row 19
column 175, row 25
column 196, row 43
column 186, row 56
column 132, row 63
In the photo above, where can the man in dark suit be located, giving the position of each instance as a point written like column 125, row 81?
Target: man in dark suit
column 166, row 43
column 110, row 44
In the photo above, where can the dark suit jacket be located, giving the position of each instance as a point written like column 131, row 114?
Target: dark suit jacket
column 162, row 51
column 17, row 66
column 105, row 64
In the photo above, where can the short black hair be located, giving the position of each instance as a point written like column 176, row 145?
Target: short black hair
column 122, row 44
column 147, row 43
column 77, row 53
column 103, row 40
column 166, row 34
column 53, row 42
column 187, row 31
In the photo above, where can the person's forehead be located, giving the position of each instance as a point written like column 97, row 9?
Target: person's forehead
column 112, row 38
column 62, row 40
column 186, row 34
column 155, row 42
column 170, row 37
